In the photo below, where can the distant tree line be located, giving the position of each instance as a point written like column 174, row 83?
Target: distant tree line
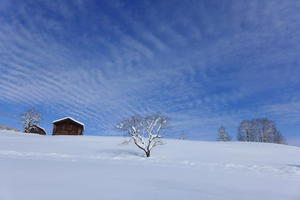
column 259, row 130
column 255, row 130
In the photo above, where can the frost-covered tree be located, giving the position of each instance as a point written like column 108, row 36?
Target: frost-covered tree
column 146, row 131
column 29, row 118
column 246, row 131
column 259, row 130
column 223, row 135
column 279, row 139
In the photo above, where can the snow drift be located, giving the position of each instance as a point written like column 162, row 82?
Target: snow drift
column 34, row 167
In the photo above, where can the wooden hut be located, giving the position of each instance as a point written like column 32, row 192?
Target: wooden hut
column 67, row 126
column 37, row 130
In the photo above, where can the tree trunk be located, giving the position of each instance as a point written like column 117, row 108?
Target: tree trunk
column 147, row 154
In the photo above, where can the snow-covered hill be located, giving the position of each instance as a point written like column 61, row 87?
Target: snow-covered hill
column 34, row 167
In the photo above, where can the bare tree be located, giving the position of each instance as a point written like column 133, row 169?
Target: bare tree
column 246, row 131
column 145, row 131
column 29, row 118
column 223, row 135
column 279, row 139
column 260, row 130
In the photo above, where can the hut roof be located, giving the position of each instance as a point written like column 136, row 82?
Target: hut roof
column 36, row 129
column 68, row 118
column 39, row 127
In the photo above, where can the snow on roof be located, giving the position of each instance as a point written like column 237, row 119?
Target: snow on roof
column 40, row 127
column 70, row 118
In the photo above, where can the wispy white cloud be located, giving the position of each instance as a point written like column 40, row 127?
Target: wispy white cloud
column 286, row 112
column 192, row 67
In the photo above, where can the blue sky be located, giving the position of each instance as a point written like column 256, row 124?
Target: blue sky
column 203, row 63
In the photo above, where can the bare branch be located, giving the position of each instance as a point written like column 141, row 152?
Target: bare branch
column 260, row 130
column 145, row 131
column 30, row 118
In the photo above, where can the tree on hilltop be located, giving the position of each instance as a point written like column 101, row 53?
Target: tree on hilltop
column 145, row 132
column 223, row 135
column 29, row 119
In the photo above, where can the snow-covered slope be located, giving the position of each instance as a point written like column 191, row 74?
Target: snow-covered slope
column 34, row 167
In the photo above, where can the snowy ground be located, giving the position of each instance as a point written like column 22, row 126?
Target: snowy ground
column 36, row 167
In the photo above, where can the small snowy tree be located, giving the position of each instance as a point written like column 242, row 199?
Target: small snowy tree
column 146, row 131
column 30, row 118
column 223, row 135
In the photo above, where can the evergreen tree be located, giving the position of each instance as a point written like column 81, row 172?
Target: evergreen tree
column 223, row 135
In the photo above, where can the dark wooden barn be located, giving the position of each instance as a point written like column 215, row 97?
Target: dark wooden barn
column 67, row 126
column 37, row 130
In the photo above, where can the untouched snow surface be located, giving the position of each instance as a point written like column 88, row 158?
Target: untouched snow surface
column 34, row 167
